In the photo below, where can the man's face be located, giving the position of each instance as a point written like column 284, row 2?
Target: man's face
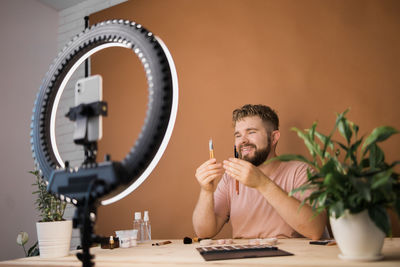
column 252, row 140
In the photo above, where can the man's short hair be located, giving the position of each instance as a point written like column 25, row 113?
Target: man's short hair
column 267, row 115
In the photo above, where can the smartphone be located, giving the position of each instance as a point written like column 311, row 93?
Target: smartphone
column 322, row 242
column 89, row 90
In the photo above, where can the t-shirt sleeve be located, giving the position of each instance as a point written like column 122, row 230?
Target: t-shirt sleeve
column 221, row 199
column 300, row 178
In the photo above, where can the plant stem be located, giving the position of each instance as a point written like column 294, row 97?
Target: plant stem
column 26, row 254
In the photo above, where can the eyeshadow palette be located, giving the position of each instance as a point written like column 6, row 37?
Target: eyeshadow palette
column 226, row 252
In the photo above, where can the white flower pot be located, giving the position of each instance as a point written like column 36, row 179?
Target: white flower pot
column 54, row 238
column 358, row 237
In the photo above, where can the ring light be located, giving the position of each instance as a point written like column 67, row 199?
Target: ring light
column 162, row 105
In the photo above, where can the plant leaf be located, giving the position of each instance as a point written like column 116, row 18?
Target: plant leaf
column 362, row 186
column 355, row 129
column 301, row 189
column 290, row 157
column 379, row 134
column 311, row 131
column 338, row 119
column 328, row 181
column 379, row 216
column 329, row 167
column 337, row 209
column 34, row 250
column 324, row 140
column 381, row 178
column 345, row 130
column 376, row 156
column 310, row 144
column 322, row 199
column 353, row 151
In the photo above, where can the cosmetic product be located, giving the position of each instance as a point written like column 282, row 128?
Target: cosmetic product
column 111, row 242
column 133, row 237
column 146, row 226
column 138, row 225
column 189, row 240
column 106, row 244
column 206, row 242
column 161, row 243
column 211, row 148
column 256, row 241
column 127, row 238
column 228, row 241
column 269, row 241
column 237, row 182
column 124, row 242
column 221, row 241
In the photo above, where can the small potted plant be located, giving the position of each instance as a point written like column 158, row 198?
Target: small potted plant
column 54, row 233
column 352, row 181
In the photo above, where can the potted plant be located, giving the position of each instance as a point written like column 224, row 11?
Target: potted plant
column 352, row 181
column 54, row 233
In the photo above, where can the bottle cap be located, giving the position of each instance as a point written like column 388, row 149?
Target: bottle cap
column 138, row 215
column 146, row 216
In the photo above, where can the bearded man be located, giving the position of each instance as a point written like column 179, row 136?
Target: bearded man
column 263, row 207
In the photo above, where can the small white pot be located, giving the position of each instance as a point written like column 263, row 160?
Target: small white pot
column 54, row 238
column 358, row 237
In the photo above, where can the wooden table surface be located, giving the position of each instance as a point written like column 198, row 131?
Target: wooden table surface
column 179, row 254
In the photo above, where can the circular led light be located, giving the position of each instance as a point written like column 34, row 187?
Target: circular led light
column 162, row 103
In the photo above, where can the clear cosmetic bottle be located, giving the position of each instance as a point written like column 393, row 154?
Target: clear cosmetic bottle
column 146, row 227
column 138, row 225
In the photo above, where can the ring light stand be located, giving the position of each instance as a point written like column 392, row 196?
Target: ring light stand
column 106, row 182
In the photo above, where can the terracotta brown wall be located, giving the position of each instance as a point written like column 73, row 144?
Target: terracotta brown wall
column 306, row 59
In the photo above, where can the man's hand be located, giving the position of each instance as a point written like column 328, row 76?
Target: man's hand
column 209, row 174
column 246, row 173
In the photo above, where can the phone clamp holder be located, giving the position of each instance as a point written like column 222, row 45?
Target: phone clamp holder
column 81, row 115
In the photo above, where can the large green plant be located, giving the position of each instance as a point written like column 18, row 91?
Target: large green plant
column 50, row 208
column 351, row 175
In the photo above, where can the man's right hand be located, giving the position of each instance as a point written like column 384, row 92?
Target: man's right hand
column 209, row 174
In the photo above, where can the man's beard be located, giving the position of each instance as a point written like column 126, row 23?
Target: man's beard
column 260, row 155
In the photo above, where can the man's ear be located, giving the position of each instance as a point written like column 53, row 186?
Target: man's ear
column 275, row 137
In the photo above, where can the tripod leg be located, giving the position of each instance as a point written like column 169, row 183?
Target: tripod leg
column 83, row 221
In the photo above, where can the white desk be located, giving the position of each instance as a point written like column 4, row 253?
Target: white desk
column 179, row 254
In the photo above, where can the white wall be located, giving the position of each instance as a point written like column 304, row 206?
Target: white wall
column 32, row 34
column 71, row 23
column 28, row 46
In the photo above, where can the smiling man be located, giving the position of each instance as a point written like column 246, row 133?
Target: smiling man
column 263, row 207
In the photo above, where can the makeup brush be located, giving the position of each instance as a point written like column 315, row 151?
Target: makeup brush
column 211, row 148
column 237, row 182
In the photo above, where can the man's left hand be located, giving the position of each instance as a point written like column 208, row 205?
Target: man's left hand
column 246, row 173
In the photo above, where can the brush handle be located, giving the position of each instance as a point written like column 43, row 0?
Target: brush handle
column 237, row 182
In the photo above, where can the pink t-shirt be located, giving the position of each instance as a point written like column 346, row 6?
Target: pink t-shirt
column 250, row 213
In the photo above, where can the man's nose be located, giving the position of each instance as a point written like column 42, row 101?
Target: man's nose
column 243, row 140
